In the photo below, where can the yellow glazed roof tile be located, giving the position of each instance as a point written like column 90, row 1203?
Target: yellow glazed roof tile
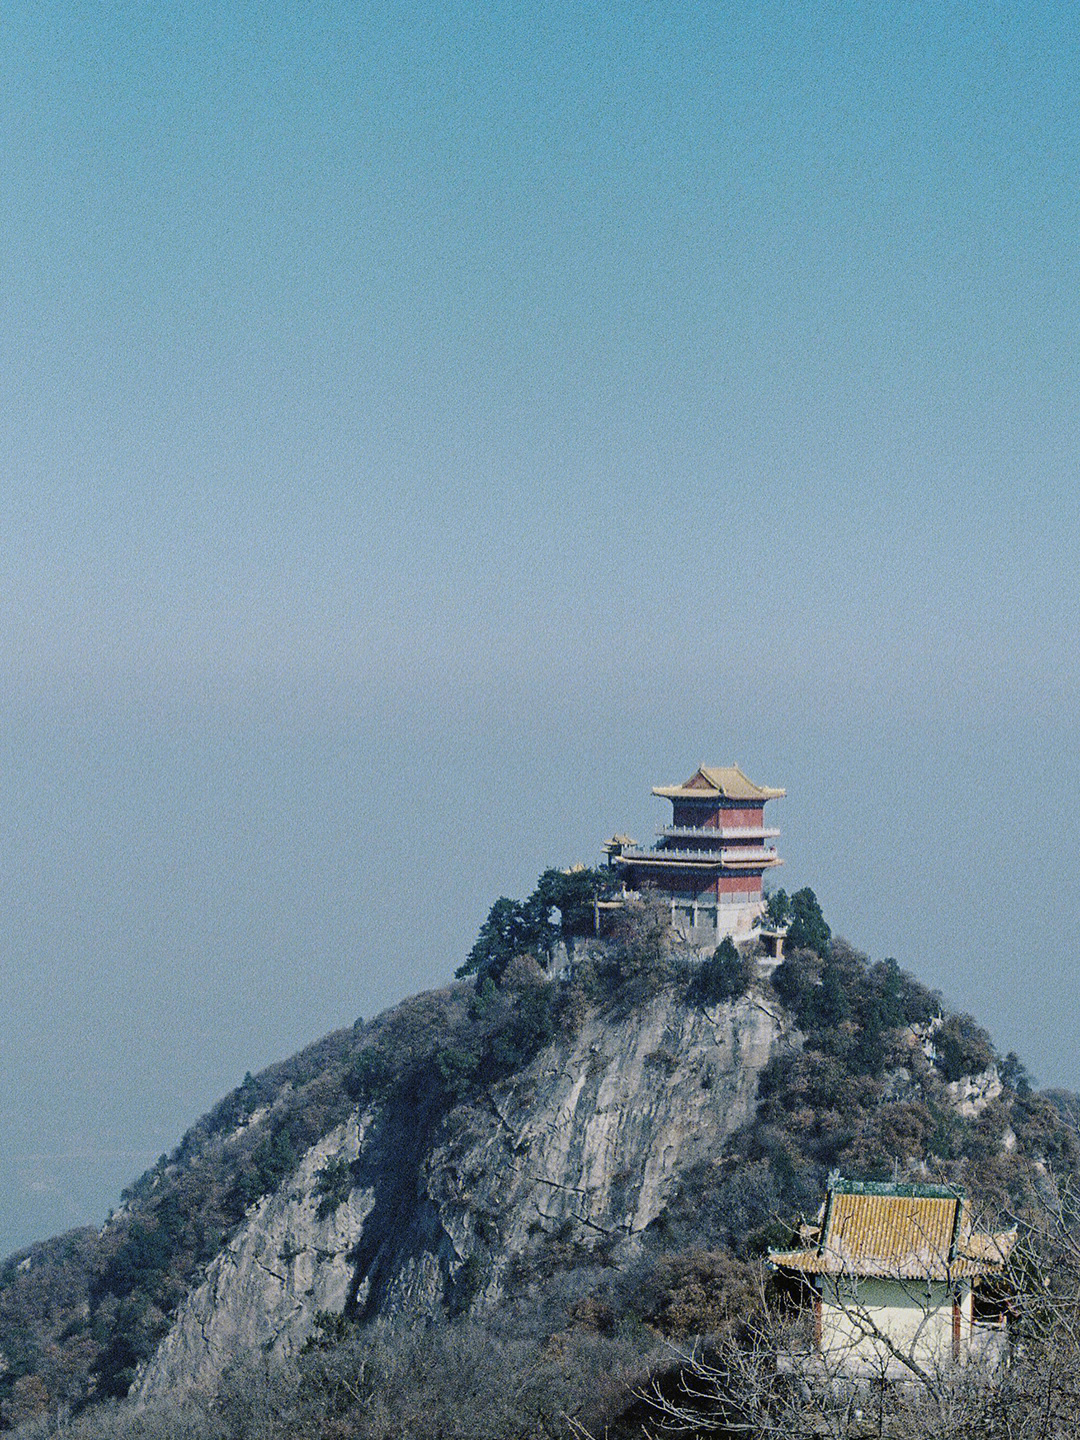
column 905, row 1236
column 722, row 781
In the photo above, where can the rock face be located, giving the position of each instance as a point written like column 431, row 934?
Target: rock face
column 590, row 1139
column 974, row 1093
column 264, row 1289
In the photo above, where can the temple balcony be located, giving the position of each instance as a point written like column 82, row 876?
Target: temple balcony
column 724, row 832
column 746, row 855
column 750, row 855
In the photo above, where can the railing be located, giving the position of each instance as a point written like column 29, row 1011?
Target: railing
column 732, row 855
column 751, row 853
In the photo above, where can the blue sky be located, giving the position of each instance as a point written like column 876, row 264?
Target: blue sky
column 425, row 428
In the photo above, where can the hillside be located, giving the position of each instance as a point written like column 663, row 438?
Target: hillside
column 576, row 1167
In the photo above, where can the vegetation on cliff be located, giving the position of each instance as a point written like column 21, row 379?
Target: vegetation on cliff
column 872, row 1087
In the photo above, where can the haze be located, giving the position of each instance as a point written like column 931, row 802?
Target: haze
column 424, row 428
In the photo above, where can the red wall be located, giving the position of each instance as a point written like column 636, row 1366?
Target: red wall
column 750, row 816
column 711, row 813
column 654, row 878
column 741, row 884
column 694, row 812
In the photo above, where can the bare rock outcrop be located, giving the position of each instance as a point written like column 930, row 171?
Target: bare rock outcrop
column 590, row 1138
column 263, row 1291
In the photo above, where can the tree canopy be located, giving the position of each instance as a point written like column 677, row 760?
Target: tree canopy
column 526, row 927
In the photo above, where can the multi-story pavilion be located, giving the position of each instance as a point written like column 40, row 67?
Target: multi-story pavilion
column 709, row 862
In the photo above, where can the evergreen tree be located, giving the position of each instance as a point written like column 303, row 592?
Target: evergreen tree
column 725, row 975
column 807, row 929
column 512, row 928
column 778, row 909
column 572, row 893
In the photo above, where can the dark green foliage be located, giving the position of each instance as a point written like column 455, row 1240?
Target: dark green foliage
column 807, row 929
column 962, row 1047
column 512, row 928
column 525, row 927
column 90, row 1310
column 458, row 1067
column 526, row 1029
column 778, row 909
column 466, row 1285
column 849, row 1007
column 133, row 1339
column 263, row 1170
column 486, row 999
column 795, row 981
column 898, row 998
column 862, row 1095
column 638, row 960
column 508, row 1028
column 369, row 1076
column 334, row 1184
column 329, row 1329
column 1014, row 1075
column 855, row 1090
column 945, row 1141
column 663, row 1059
column 572, row 893
column 144, row 1254
column 725, row 975
column 1036, row 1120
column 832, row 1006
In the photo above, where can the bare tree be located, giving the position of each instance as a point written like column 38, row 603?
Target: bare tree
column 775, row 1379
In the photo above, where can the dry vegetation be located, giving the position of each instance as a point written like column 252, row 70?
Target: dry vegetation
column 677, row 1334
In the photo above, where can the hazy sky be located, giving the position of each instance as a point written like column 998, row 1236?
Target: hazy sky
column 425, row 427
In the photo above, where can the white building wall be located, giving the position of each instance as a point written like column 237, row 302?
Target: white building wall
column 915, row 1316
column 706, row 925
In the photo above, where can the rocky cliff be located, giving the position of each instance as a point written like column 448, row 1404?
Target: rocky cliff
column 590, row 1137
column 617, row 1141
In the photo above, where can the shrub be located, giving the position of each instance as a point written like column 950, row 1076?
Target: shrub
column 525, row 1031
column 1014, row 1074
column 831, row 1007
column 698, row 1292
column 458, row 1067
column 466, row 1285
column 725, row 975
column 369, row 1076
column 848, row 1007
column 795, row 981
column 273, row 1158
column 962, row 1047
column 334, row 1184
column 639, row 961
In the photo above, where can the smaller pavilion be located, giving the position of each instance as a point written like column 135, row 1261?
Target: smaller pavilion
column 898, row 1281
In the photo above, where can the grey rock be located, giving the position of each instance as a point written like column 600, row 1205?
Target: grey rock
column 588, row 1140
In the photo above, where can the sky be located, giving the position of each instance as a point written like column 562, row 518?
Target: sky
column 424, row 428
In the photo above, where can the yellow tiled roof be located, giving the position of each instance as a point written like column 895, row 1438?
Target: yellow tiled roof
column 879, row 1230
column 992, row 1249
column 723, row 781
